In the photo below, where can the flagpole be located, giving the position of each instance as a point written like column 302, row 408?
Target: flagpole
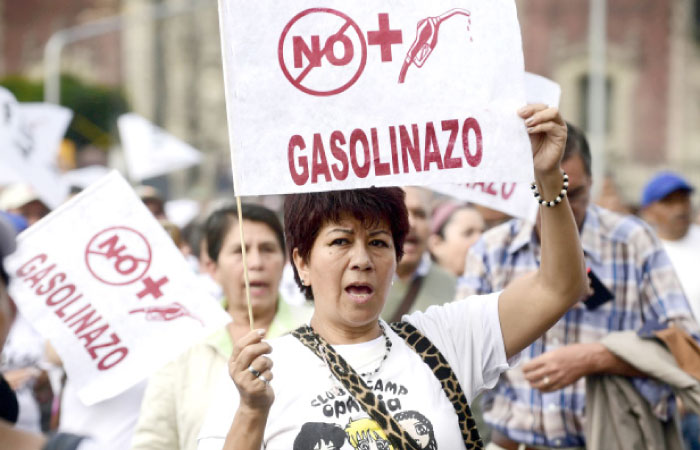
column 245, row 260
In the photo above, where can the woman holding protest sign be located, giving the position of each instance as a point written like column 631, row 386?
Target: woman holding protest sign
column 177, row 397
column 404, row 386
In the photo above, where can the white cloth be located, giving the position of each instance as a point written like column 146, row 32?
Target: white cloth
column 23, row 349
column 111, row 422
column 684, row 255
column 310, row 404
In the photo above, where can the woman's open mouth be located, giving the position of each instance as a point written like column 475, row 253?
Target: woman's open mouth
column 359, row 292
column 258, row 287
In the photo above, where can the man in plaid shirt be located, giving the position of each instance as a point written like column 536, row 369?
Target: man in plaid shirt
column 541, row 404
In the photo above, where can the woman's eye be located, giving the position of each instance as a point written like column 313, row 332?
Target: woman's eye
column 379, row 243
column 339, row 241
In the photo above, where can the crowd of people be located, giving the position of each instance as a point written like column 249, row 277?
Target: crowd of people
column 399, row 318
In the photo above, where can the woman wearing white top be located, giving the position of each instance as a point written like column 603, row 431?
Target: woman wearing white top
column 345, row 246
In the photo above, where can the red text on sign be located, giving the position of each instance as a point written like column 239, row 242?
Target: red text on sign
column 78, row 314
column 329, row 158
column 503, row 190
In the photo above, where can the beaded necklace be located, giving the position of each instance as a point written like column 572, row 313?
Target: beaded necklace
column 365, row 375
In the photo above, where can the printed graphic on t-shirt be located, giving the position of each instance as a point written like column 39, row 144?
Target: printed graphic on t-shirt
column 344, row 427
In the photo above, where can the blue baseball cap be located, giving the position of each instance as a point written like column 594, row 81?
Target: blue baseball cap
column 662, row 185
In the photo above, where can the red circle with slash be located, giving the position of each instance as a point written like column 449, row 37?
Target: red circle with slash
column 118, row 256
column 296, row 81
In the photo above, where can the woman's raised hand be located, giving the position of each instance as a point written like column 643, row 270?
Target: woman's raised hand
column 547, row 132
column 250, row 370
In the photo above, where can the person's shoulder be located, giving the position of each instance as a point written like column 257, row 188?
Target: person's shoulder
column 624, row 228
column 441, row 275
column 505, row 235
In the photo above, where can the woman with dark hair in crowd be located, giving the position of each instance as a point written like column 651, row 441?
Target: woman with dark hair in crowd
column 178, row 395
column 349, row 368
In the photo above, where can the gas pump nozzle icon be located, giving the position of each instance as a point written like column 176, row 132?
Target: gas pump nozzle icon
column 426, row 40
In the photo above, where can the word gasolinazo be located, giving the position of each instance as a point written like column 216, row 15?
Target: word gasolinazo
column 77, row 313
column 413, row 149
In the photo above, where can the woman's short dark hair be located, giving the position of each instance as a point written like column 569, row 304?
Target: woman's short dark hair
column 220, row 221
column 306, row 214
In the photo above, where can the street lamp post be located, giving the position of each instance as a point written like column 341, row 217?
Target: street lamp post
column 597, row 111
column 62, row 38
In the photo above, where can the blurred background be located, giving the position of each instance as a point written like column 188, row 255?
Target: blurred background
column 629, row 72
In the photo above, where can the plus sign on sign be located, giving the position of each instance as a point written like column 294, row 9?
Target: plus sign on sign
column 365, row 93
column 103, row 282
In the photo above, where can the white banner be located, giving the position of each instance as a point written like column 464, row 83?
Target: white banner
column 355, row 94
column 539, row 89
column 102, row 280
column 151, row 151
column 514, row 199
column 30, row 136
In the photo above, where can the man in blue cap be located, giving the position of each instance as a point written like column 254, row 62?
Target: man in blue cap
column 666, row 206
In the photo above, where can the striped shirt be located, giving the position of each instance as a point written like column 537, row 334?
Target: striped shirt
column 627, row 257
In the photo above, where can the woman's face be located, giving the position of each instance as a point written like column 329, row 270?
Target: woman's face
column 265, row 263
column 349, row 269
column 461, row 232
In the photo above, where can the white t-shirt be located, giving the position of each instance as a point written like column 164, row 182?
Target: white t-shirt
column 110, row 422
column 24, row 348
column 312, row 410
column 685, row 255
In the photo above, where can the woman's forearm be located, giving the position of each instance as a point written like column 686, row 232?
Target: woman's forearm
column 562, row 268
column 529, row 305
column 247, row 430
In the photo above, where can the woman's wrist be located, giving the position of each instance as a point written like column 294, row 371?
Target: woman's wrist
column 252, row 414
column 549, row 184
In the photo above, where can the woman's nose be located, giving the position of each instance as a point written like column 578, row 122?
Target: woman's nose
column 361, row 259
column 254, row 258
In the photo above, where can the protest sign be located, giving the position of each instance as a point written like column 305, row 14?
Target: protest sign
column 355, row 94
column 514, row 199
column 104, row 283
column 30, row 138
column 150, row 151
column 539, row 89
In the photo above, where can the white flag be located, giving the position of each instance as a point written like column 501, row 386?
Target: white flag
column 30, row 136
column 151, row 151
column 104, row 283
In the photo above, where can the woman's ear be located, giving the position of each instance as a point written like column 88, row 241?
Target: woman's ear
column 434, row 243
column 302, row 267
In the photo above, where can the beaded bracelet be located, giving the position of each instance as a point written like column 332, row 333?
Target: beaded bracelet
column 556, row 201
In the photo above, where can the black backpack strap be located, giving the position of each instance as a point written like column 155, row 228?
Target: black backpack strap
column 444, row 373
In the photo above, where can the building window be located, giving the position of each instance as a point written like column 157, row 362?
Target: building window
column 583, row 89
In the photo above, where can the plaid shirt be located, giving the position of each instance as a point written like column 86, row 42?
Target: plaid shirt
column 627, row 257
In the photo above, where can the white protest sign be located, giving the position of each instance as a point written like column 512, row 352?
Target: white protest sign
column 31, row 136
column 354, row 94
column 539, row 89
column 514, row 199
column 104, row 283
column 150, row 151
